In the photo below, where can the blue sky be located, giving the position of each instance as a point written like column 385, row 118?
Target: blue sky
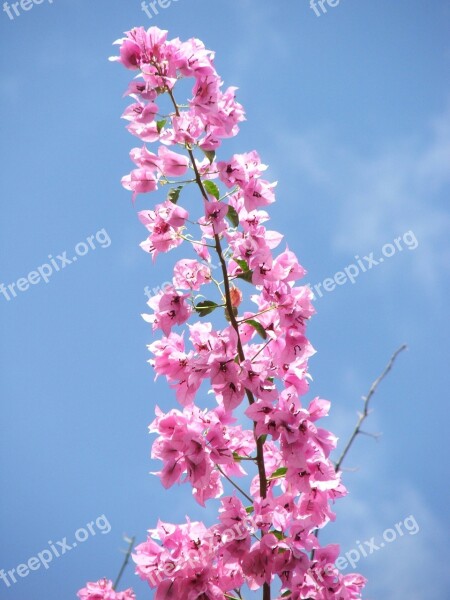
column 351, row 110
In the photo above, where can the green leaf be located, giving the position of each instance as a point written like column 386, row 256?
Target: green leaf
column 249, row 509
column 160, row 124
column 211, row 188
column 259, row 328
column 243, row 264
column 238, row 457
column 286, row 594
column 281, row 472
column 205, row 308
column 247, row 276
column 278, row 534
column 232, row 216
column 210, row 155
column 174, row 194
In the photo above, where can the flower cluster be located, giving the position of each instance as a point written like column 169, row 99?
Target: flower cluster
column 103, row 590
column 194, row 443
column 255, row 359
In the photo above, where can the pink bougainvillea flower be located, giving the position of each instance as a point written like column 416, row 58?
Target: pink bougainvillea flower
column 146, row 159
column 140, row 181
column 170, row 308
column 165, row 224
column 140, row 113
column 190, row 274
column 103, row 590
column 172, row 163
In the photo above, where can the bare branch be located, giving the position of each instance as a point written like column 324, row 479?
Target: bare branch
column 363, row 416
column 126, row 561
column 234, row 484
column 375, row 436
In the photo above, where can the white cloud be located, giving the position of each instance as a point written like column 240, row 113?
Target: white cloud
column 412, row 566
column 377, row 198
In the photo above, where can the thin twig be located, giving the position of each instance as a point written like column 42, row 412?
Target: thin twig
column 233, row 483
column 363, row 416
column 256, row 314
column 263, row 347
column 125, row 562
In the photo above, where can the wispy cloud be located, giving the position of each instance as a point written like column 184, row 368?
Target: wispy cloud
column 376, row 197
column 412, row 566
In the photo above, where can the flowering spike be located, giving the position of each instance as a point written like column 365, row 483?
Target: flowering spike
column 253, row 355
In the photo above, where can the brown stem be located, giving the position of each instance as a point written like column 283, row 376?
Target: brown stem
column 234, row 324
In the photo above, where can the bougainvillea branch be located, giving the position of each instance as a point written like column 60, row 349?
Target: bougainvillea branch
column 362, row 417
column 365, row 413
column 246, row 362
